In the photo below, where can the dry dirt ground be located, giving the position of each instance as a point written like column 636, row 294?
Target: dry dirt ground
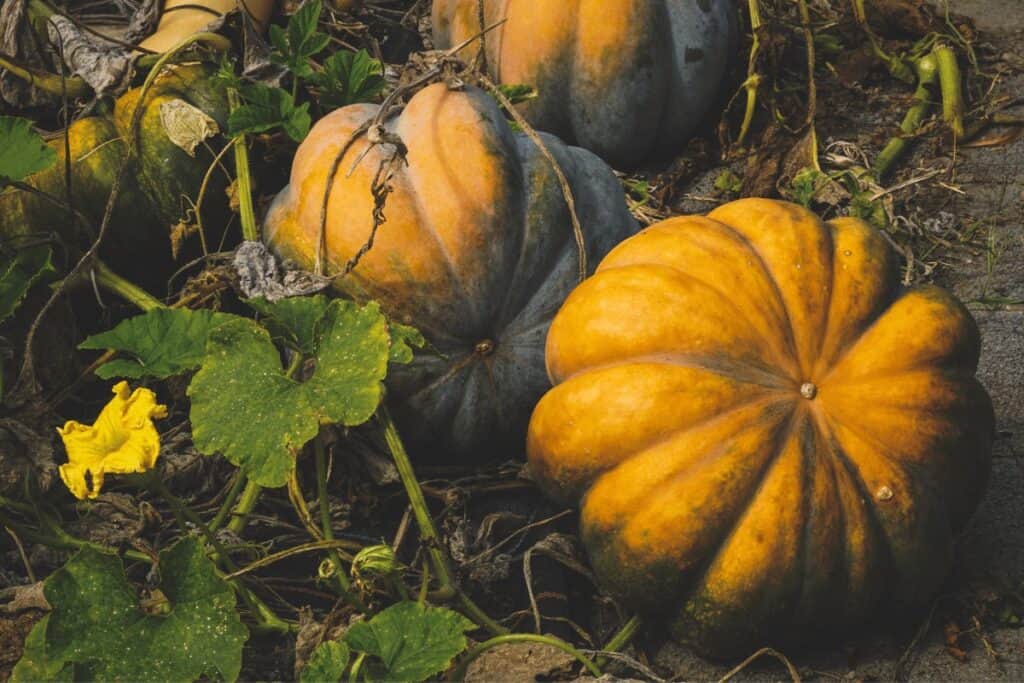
column 974, row 631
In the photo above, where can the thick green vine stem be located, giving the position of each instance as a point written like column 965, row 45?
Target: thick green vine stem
column 246, row 503
column 428, row 533
column 927, row 74
column 620, row 639
column 267, row 619
column 460, row 671
column 229, row 501
column 952, row 92
column 129, row 291
column 754, row 79
column 250, row 232
column 323, row 502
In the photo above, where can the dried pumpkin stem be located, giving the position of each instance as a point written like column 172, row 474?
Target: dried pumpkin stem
column 460, row 672
column 793, row 673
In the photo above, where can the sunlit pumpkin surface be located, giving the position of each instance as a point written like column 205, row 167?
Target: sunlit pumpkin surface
column 768, row 435
column 476, row 251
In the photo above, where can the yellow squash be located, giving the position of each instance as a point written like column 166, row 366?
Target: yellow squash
column 768, row 436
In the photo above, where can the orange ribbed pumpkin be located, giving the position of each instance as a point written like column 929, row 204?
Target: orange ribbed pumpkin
column 627, row 79
column 477, row 252
column 767, row 434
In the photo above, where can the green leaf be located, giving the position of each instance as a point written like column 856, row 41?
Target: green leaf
column 97, row 621
column 164, row 341
column 294, row 321
column 17, row 277
column 806, row 184
column 403, row 338
column 326, row 664
column 411, row 641
column 269, row 108
column 22, row 150
column 294, row 47
column 727, row 181
column 348, row 78
column 244, row 406
column 36, row 664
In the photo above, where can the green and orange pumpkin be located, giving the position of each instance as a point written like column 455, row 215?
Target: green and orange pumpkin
column 767, row 434
column 477, row 251
column 627, row 79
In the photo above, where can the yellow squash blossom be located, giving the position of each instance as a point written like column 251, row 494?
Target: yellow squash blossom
column 122, row 440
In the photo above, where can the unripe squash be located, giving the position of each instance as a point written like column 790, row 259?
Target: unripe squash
column 477, row 251
column 157, row 190
column 768, row 436
column 627, row 79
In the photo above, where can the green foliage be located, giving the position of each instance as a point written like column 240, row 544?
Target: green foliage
column 164, row 341
column 97, row 623
column 871, row 210
column 517, row 92
column 403, row 339
column 326, row 664
column 28, row 266
column 348, row 78
column 245, row 406
column 267, row 108
column 806, row 184
column 295, row 46
column 638, row 188
column 727, row 181
column 410, row 641
column 22, row 150
column 294, row 321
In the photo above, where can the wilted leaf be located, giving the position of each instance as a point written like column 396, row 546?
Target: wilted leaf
column 187, row 126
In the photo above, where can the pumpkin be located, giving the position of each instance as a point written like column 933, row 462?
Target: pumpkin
column 627, row 79
column 768, row 436
column 182, row 18
column 477, row 252
column 155, row 189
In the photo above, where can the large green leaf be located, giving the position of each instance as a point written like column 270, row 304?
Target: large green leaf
column 22, row 150
column 246, row 407
column 97, row 622
column 17, row 277
column 326, row 664
column 164, row 341
column 295, row 321
column 410, row 641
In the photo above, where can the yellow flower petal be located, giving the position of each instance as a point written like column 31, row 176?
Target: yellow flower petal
column 122, row 440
